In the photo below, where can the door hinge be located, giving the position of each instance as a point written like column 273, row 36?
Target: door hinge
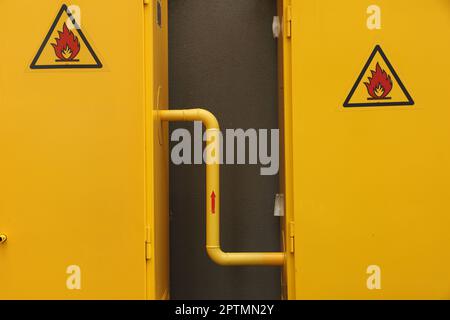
column 289, row 22
column 291, row 236
column 148, row 243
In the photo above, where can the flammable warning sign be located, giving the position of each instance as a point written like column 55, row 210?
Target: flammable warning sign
column 378, row 85
column 65, row 46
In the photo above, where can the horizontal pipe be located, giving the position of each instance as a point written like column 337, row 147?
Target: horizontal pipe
column 208, row 119
column 213, row 194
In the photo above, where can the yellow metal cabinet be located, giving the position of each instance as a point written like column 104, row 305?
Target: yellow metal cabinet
column 366, row 105
column 83, row 188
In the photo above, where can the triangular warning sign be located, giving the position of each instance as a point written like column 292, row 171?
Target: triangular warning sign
column 65, row 46
column 378, row 85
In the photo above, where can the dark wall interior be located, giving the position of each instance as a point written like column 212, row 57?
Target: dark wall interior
column 223, row 58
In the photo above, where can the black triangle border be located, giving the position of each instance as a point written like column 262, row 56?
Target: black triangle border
column 410, row 101
column 98, row 64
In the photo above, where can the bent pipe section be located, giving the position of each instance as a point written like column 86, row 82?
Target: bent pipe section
column 213, row 194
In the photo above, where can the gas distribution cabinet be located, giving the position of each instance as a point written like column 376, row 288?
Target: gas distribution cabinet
column 83, row 205
column 364, row 105
column 365, row 102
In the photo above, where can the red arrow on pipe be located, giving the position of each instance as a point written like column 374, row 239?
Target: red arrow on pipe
column 213, row 202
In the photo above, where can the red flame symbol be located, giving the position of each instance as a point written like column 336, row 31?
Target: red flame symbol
column 379, row 85
column 67, row 46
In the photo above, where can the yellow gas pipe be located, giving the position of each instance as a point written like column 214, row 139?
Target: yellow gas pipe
column 213, row 195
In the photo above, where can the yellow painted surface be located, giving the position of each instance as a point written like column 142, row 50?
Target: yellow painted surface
column 368, row 186
column 285, row 122
column 78, row 182
column 157, row 92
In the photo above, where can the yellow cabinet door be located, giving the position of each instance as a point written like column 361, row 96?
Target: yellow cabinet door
column 370, row 142
column 72, row 141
